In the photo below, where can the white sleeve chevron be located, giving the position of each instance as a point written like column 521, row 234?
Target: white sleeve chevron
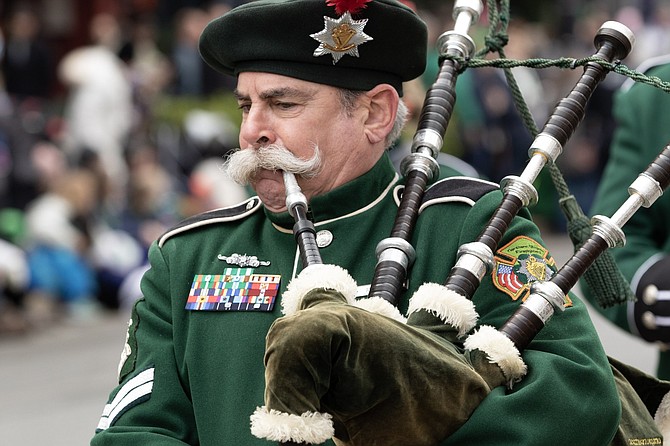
column 130, row 393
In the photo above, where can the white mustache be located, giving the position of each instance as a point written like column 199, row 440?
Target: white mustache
column 243, row 165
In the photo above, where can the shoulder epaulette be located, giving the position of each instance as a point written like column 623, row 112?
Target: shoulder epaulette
column 646, row 66
column 457, row 189
column 222, row 215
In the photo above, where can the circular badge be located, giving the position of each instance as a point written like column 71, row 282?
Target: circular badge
column 324, row 238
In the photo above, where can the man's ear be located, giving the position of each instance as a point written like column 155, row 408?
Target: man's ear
column 382, row 109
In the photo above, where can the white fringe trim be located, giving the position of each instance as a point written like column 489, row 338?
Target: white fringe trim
column 380, row 306
column 500, row 350
column 317, row 276
column 448, row 305
column 662, row 418
column 273, row 425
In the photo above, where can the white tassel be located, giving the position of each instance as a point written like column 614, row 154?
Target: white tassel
column 500, row 350
column 380, row 306
column 318, row 276
column 448, row 305
column 273, row 425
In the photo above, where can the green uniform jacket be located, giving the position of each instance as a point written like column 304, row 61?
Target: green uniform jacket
column 643, row 130
column 194, row 377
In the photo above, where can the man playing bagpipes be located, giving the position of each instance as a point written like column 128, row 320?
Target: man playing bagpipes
column 319, row 86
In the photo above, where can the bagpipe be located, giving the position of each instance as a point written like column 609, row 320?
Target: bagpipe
column 327, row 373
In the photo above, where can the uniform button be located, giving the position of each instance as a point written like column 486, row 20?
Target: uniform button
column 324, row 238
column 650, row 295
column 649, row 320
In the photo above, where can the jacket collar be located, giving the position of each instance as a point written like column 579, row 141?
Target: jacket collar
column 349, row 198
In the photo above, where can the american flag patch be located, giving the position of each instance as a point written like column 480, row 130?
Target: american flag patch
column 237, row 289
column 508, row 278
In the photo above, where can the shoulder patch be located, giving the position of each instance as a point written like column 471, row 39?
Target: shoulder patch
column 221, row 215
column 518, row 264
column 457, row 189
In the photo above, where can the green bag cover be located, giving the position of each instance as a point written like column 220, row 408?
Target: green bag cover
column 383, row 382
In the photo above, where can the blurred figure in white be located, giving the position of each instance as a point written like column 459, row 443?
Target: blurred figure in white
column 99, row 110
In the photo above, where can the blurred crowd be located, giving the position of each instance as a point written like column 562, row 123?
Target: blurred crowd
column 97, row 157
column 88, row 176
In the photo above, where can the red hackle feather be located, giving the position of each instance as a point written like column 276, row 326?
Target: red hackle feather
column 352, row 6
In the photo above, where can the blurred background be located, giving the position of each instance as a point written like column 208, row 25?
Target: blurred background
column 112, row 129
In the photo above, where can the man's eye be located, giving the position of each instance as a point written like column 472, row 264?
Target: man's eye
column 285, row 105
column 244, row 107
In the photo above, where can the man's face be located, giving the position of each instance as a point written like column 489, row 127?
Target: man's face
column 298, row 115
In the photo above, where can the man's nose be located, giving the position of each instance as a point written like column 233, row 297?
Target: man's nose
column 256, row 130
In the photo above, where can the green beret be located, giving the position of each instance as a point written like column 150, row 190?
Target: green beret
column 298, row 38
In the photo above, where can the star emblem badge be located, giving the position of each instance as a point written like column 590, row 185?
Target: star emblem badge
column 341, row 36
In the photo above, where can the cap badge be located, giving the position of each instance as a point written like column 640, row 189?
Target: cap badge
column 344, row 35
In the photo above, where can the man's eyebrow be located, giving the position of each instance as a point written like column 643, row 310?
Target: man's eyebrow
column 239, row 96
column 281, row 92
column 286, row 92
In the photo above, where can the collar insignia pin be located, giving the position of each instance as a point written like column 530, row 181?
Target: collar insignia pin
column 243, row 260
column 344, row 35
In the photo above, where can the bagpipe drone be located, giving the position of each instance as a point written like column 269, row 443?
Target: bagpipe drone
column 318, row 376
